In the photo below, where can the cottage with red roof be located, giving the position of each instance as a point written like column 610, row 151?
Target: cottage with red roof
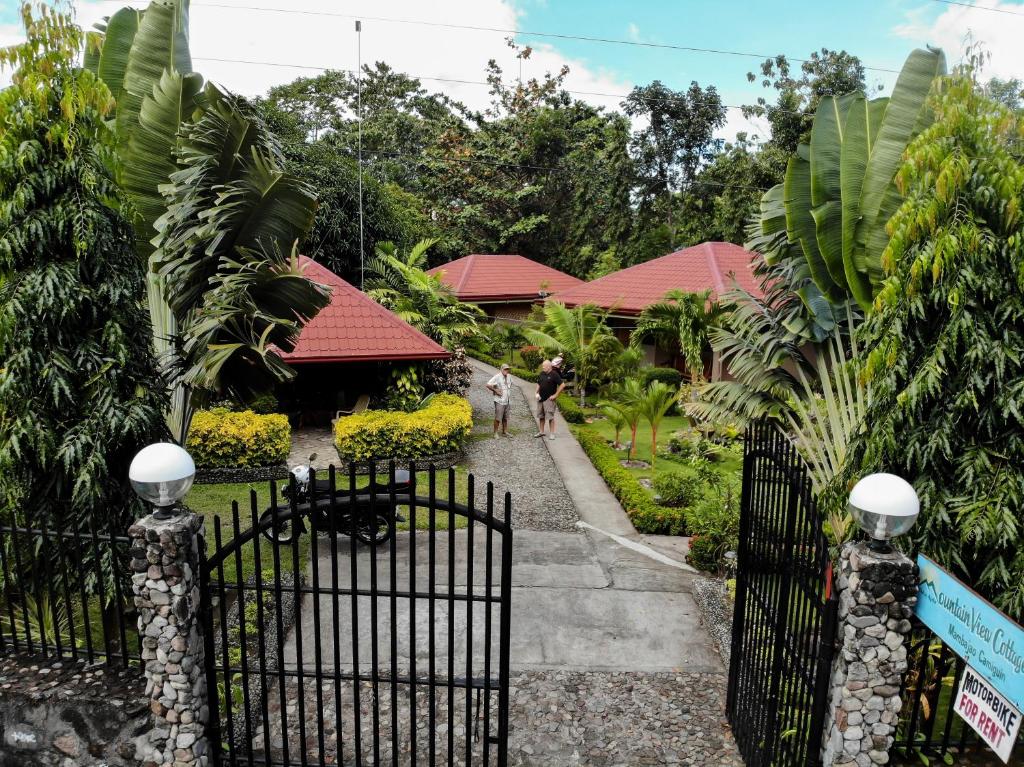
column 714, row 266
column 504, row 286
column 347, row 349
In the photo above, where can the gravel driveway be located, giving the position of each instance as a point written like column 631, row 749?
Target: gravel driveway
column 520, row 464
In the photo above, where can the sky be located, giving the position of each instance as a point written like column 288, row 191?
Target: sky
column 446, row 40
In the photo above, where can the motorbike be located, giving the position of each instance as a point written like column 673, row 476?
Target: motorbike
column 362, row 513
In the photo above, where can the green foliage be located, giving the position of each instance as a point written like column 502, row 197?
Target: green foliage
column 440, row 427
column 221, row 438
column 450, row 376
column 946, row 365
column 839, row 189
column 714, row 524
column 681, row 322
column 607, row 262
column 624, row 398
column 571, row 411
column 404, row 390
column 679, row 487
column 532, row 356
column 656, row 401
column 582, row 336
column 207, row 179
column 79, row 391
column 668, row 376
column 646, row 515
column 400, row 283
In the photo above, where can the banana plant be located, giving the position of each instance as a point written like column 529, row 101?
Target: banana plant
column 839, row 190
column 217, row 217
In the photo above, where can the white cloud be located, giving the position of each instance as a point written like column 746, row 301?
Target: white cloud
column 633, row 32
column 220, row 31
column 957, row 26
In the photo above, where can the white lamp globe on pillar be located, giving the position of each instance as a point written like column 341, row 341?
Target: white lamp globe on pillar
column 884, row 506
column 161, row 474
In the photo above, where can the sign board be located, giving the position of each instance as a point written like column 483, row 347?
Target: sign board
column 992, row 716
column 974, row 629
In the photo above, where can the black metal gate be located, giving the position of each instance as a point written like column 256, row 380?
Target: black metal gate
column 784, row 622
column 324, row 649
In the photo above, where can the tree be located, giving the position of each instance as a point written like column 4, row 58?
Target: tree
column 423, row 300
column 79, row 393
column 625, row 398
column 681, row 321
column 656, row 401
column 947, row 342
column 677, row 140
column 225, row 187
column 581, row 335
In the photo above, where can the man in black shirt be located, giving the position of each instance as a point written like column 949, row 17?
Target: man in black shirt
column 549, row 386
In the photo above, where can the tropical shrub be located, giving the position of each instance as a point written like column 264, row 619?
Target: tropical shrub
column 450, row 376
column 404, row 390
column 79, row 389
column 222, row 438
column 217, row 217
column 532, row 356
column 438, row 428
column 657, row 400
column 669, row 376
column 646, row 515
column 714, row 524
column 679, row 487
column 681, row 321
column 946, row 364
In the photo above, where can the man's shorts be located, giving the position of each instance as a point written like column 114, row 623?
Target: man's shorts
column 501, row 412
column 546, row 410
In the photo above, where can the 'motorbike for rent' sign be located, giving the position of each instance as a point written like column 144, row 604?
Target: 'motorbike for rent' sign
column 975, row 630
column 991, row 715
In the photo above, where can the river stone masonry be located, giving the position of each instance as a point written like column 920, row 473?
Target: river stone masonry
column 877, row 594
column 165, row 581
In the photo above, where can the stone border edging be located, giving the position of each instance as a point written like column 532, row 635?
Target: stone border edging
column 715, row 613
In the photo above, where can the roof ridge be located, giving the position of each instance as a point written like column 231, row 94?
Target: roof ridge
column 713, row 268
column 470, row 260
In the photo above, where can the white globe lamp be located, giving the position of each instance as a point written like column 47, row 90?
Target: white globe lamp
column 884, row 506
column 161, row 474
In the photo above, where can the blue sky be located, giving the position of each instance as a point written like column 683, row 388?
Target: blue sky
column 274, row 41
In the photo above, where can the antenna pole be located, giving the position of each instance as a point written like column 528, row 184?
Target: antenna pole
column 359, row 129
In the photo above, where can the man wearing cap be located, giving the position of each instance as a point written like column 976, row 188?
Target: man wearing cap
column 501, row 387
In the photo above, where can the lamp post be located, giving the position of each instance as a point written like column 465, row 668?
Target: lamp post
column 884, row 506
column 161, row 474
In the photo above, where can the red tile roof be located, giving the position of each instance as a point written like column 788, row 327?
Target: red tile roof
column 482, row 277
column 355, row 328
column 710, row 265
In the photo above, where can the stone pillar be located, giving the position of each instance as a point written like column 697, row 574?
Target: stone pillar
column 877, row 593
column 165, row 581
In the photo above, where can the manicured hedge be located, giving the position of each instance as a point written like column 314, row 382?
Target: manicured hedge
column 222, row 438
column 440, row 427
column 526, row 375
column 646, row 515
column 571, row 410
column 669, row 376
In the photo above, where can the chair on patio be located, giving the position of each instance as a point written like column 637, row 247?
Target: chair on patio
column 362, row 403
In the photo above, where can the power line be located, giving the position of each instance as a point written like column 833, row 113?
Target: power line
column 503, row 30
column 980, row 7
column 287, row 65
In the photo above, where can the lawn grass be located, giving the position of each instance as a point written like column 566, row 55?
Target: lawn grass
column 214, row 501
column 728, row 463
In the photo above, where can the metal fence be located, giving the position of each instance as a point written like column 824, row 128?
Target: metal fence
column 928, row 726
column 63, row 594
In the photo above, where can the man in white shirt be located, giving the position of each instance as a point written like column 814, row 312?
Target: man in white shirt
column 501, row 387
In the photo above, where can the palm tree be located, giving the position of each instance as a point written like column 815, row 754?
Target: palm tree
column 400, row 283
column 218, row 218
column 581, row 336
column 653, row 405
column 681, row 320
column 625, row 400
column 617, row 420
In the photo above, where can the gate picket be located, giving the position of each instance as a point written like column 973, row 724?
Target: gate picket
column 261, row 681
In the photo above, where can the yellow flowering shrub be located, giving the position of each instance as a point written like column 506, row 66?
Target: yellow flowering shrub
column 222, row 438
column 440, row 427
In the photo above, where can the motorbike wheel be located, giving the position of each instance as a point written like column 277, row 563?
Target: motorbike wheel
column 374, row 529
column 279, row 532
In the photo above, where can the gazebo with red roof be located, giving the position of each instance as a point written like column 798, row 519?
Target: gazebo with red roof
column 714, row 266
column 348, row 348
column 504, row 286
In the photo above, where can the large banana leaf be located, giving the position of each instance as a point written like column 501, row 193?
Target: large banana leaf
column 109, row 47
column 800, row 224
column 826, row 195
column 902, row 117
